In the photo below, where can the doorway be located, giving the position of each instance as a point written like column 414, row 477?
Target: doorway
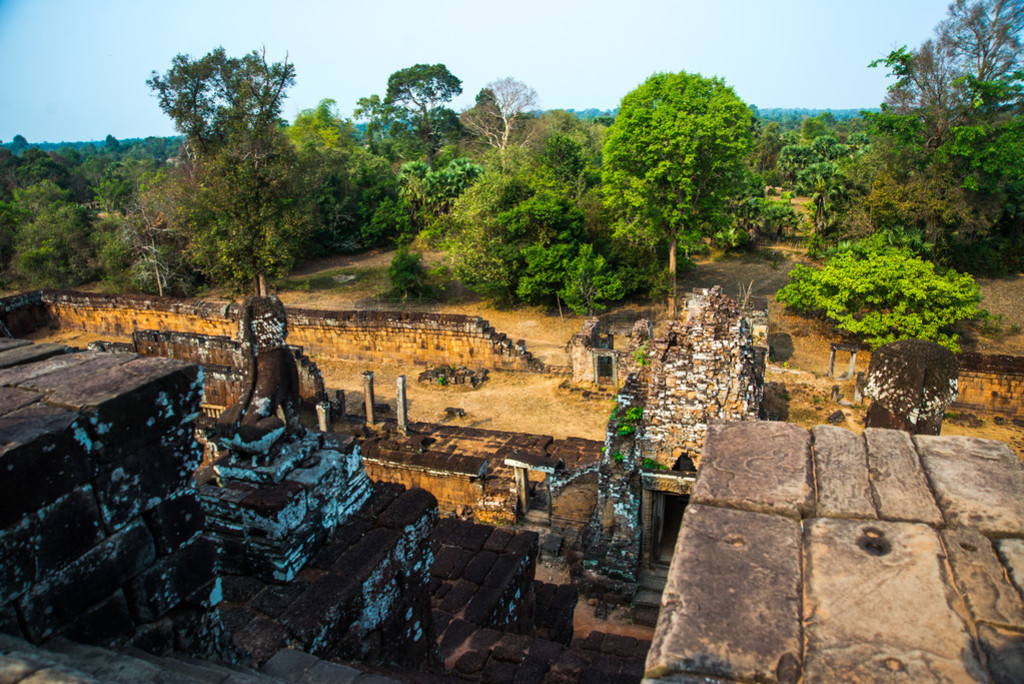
column 666, row 520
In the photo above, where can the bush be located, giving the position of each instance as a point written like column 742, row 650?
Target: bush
column 407, row 275
column 879, row 294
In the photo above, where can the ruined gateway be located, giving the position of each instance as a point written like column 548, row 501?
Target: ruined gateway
column 339, row 554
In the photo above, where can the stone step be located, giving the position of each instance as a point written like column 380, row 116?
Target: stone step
column 646, row 598
column 537, row 518
column 651, row 581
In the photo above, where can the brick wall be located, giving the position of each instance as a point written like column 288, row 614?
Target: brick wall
column 422, row 338
column 99, row 524
column 991, row 384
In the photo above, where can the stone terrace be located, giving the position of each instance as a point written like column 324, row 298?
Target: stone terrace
column 826, row 556
column 465, row 467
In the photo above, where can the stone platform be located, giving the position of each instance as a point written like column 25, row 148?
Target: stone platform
column 824, row 556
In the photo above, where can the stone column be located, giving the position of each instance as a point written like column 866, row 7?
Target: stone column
column 339, row 411
column 831, row 363
column 403, row 416
column 597, row 368
column 323, row 416
column 523, row 490
column 368, row 395
column 853, row 365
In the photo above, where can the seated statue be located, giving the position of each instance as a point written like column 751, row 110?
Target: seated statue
column 269, row 404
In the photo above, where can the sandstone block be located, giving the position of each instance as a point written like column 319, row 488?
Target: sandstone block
column 176, row 521
column 757, row 466
column 900, row 486
column 877, row 605
column 1011, row 553
column 841, row 469
column 172, row 579
column 982, row 579
column 977, row 482
column 1004, row 650
column 739, row 617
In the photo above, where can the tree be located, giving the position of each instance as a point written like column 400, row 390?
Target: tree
column 674, row 154
column 879, row 294
column 243, row 218
column 500, row 108
column 421, row 90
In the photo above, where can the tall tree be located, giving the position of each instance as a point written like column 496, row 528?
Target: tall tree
column 674, row 154
column 244, row 221
column 501, row 108
column 421, row 91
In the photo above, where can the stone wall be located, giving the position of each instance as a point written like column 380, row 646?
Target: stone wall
column 222, row 359
column 991, row 384
column 854, row 558
column 99, row 524
column 584, row 347
column 372, row 336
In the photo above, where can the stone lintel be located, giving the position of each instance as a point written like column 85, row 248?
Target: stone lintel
column 841, row 472
column 731, row 606
column 977, row 482
column 877, row 605
column 757, row 466
column 900, row 486
column 670, row 482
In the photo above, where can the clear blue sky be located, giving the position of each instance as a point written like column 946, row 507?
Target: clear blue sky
column 76, row 69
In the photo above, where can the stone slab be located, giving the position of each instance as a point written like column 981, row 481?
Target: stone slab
column 12, row 399
column 977, row 482
column 1004, row 650
column 877, row 606
column 841, row 474
column 901, row 489
column 1011, row 553
column 981, row 578
column 757, row 466
column 17, row 356
column 739, row 615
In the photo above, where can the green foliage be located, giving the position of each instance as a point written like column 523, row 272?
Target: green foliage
column 407, row 276
column 651, row 464
column 673, row 157
column 879, row 294
column 53, row 246
column 619, row 457
column 642, row 356
column 590, row 283
column 629, row 422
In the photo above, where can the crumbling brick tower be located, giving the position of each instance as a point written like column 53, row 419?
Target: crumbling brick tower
column 701, row 369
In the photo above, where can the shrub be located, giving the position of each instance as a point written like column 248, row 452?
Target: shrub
column 879, row 293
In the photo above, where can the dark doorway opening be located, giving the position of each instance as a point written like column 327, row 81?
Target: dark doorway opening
column 674, row 507
column 604, row 369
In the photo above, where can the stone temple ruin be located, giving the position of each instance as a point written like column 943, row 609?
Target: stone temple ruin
column 197, row 506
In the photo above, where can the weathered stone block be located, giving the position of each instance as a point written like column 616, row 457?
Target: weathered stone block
column 858, row 571
column 981, row 578
column 140, row 481
column 68, row 528
column 841, row 472
column 901, row 489
column 977, row 482
column 108, row 623
column 172, row 579
column 1004, row 650
column 739, row 617
column 328, row 606
column 1011, row 553
column 176, row 521
column 17, row 558
column 65, row 596
column 45, row 446
column 757, row 466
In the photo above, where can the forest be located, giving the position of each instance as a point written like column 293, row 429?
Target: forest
column 898, row 205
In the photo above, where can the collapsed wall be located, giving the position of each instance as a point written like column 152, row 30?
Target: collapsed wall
column 700, row 370
column 372, row 336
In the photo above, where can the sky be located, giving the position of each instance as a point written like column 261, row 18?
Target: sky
column 77, row 69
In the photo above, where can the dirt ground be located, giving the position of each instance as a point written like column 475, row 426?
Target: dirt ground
column 535, row 404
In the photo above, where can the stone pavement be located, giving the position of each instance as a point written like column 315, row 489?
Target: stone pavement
column 824, row 556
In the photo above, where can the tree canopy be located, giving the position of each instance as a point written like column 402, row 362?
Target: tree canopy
column 673, row 156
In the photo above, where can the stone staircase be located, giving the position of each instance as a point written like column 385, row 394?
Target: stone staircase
column 647, row 600
column 72, row 663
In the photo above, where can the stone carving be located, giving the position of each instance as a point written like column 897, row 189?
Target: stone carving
column 910, row 384
column 269, row 405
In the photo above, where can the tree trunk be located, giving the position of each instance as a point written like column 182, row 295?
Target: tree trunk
column 672, row 270
column 262, row 287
